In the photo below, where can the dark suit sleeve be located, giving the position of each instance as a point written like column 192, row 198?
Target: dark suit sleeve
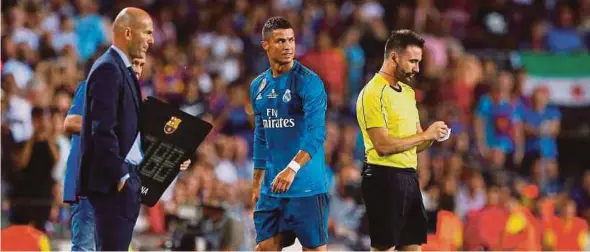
column 104, row 86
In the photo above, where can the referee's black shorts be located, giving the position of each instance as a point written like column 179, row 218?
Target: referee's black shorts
column 394, row 206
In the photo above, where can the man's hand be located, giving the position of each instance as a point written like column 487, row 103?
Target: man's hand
column 283, row 180
column 437, row 130
column 185, row 165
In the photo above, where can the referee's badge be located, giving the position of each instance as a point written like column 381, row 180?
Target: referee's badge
column 287, row 96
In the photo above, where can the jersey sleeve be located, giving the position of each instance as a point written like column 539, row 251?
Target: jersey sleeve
column 77, row 107
column 315, row 103
column 259, row 152
column 372, row 110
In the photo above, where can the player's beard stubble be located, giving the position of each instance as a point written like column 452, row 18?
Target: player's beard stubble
column 404, row 76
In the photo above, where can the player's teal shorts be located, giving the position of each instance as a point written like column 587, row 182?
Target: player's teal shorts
column 305, row 218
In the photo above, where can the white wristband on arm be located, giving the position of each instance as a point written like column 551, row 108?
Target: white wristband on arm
column 294, row 166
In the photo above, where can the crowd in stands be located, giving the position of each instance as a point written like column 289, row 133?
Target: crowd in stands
column 495, row 184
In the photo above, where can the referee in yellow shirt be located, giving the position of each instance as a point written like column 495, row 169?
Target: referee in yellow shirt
column 388, row 118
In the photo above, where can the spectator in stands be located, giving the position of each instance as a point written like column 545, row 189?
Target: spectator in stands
column 21, row 29
column 545, row 175
column 46, row 50
column 164, row 27
column 169, row 82
column 8, row 158
column 355, row 59
column 235, row 118
column 17, row 115
column 564, row 38
column 62, row 98
column 520, row 78
column 32, row 194
column 211, row 49
column 345, row 210
column 66, row 36
column 226, row 171
column 537, row 40
column 63, row 145
column 458, row 85
column 225, row 48
column 328, row 62
column 244, row 165
column 177, row 205
column 498, row 124
column 15, row 62
column 471, row 196
column 331, row 20
column 541, row 126
column 219, row 98
column 581, row 195
column 221, row 231
column 90, row 29
column 437, row 48
column 194, row 103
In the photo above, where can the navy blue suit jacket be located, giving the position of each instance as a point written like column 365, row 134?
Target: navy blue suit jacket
column 110, row 125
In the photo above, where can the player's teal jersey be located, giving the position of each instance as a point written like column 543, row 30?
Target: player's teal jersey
column 290, row 114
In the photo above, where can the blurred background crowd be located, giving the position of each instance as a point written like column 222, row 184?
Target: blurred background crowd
column 517, row 163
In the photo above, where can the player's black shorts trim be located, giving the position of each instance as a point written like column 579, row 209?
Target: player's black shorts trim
column 394, row 206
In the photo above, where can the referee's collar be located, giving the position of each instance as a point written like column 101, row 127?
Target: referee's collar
column 397, row 89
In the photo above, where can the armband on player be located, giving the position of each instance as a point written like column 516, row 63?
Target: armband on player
column 294, row 166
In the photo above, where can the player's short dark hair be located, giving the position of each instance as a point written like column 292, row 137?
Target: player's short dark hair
column 400, row 39
column 275, row 23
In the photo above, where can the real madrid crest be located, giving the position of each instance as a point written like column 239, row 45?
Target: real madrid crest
column 172, row 125
column 287, row 96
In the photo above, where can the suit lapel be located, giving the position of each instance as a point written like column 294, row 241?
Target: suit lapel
column 130, row 80
column 133, row 85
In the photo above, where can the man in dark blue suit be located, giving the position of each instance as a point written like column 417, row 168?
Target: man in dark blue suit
column 110, row 140
column 81, row 212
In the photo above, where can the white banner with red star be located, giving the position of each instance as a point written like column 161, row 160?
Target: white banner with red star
column 562, row 91
column 566, row 77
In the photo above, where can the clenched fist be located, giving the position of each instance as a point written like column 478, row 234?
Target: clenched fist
column 436, row 130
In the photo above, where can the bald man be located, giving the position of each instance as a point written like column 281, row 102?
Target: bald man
column 81, row 212
column 110, row 140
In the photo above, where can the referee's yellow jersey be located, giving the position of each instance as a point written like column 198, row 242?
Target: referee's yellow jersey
column 381, row 106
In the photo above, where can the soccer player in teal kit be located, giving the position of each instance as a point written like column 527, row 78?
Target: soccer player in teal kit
column 290, row 181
